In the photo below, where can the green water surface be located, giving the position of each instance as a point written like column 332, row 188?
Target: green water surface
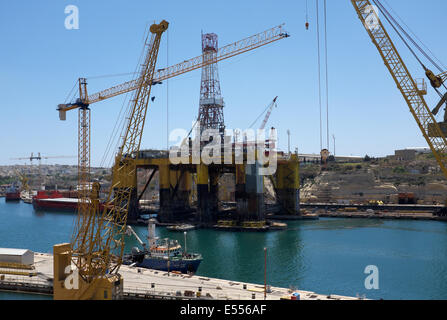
column 328, row 256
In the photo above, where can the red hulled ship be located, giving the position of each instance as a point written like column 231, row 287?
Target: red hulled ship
column 12, row 194
column 54, row 200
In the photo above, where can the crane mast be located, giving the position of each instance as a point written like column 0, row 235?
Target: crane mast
column 97, row 244
column 413, row 95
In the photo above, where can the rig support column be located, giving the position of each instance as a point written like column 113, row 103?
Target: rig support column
column 288, row 185
column 184, row 190
column 241, row 194
column 255, row 192
column 165, row 193
column 213, row 196
column 203, row 193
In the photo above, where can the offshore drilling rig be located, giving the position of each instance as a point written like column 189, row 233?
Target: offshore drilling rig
column 177, row 182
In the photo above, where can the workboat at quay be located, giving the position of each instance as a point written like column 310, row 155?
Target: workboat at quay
column 181, row 227
column 27, row 196
column 162, row 254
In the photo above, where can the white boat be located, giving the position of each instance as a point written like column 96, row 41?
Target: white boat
column 181, row 227
column 27, row 196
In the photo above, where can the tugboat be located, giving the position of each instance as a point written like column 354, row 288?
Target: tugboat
column 163, row 255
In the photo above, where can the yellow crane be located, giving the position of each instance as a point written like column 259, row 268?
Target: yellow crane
column 228, row 51
column 413, row 92
column 85, row 100
column 97, row 243
column 23, row 180
column 408, row 86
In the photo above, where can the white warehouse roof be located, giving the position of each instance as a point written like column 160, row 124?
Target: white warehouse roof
column 22, row 256
column 13, row 252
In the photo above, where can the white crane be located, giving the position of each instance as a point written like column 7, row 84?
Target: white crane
column 267, row 116
column 269, row 112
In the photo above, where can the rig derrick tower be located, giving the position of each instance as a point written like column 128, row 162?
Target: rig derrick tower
column 211, row 102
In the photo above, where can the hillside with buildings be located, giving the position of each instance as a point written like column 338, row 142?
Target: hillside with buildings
column 49, row 177
column 412, row 175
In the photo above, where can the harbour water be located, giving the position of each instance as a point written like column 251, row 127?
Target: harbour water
column 328, row 256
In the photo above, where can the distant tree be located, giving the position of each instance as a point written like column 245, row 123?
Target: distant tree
column 367, row 158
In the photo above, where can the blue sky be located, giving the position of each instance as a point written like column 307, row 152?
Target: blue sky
column 40, row 62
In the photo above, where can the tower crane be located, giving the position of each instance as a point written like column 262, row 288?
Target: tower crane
column 85, row 100
column 39, row 158
column 228, row 51
column 408, row 86
column 97, row 244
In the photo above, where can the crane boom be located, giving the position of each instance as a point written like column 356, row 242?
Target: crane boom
column 228, row 51
column 98, row 239
column 269, row 112
column 97, row 245
column 404, row 81
column 130, row 231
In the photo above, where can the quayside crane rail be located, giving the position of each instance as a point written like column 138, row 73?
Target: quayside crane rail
column 407, row 85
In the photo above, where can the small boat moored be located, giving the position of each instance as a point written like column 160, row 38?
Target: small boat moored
column 181, row 227
column 163, row 255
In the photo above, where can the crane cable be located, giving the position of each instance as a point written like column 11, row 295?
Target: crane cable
column 327, row 78
column 319, row 76
column 167, row 92
column 262, row 113
column 71, row 95
column 125, row 107
column 415, row 36
column 307, row 16
column 395, row 25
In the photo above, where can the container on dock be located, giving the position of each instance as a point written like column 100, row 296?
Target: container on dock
column 295, row 296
